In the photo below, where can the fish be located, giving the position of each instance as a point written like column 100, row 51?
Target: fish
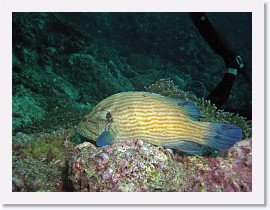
column 158, row 120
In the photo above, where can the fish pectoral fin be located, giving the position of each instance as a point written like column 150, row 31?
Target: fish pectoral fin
column 105, row 138
column 186, row 146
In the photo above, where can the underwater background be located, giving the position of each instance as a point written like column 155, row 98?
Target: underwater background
column 63, row 64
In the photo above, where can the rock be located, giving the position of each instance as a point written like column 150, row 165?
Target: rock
column 127, row 166
column 137, row 166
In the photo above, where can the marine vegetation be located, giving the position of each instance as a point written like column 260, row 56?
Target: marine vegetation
column 39, row 161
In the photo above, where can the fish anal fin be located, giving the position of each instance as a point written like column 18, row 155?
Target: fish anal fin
column 185, row 146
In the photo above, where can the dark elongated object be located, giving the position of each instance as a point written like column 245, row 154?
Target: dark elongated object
column 222, row 91
column 210, row 35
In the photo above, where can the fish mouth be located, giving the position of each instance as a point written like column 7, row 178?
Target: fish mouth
column 87, row 132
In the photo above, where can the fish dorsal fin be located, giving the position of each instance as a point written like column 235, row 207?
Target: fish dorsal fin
column 189, row 108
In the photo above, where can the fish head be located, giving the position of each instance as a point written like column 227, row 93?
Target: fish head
column 93, row 125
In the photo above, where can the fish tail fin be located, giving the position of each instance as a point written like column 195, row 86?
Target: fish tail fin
column 222, row 136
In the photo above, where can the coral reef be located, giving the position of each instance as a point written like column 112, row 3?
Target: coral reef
column 26, row 108
column 30, row 175
column 232, row 172
column 39, row 161
column 137, row 166
column 33, row 112
column 125, row 166
column 101, row 75
column 166, row 87
column 51, row 162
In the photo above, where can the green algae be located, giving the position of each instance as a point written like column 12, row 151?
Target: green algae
column 89, row 172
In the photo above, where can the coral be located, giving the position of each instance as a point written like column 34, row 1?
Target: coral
column 231, row 172
column 136, row 166
column 209, row 112
column 26, row 108
column 39, row 161
column 61, row 117
column 166, row 87
column 33, row 112
column 198, row 88
column 45, row 161
column 61, row 84
column 31, row 175
column 132, row 165
column 104, row 76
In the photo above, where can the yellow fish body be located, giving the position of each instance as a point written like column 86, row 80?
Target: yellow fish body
column 156, row 119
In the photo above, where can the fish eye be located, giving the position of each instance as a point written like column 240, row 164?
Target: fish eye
column 109, row 117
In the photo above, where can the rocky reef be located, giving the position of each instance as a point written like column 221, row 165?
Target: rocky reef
column 39, row 161
column 130, row 166
column 136, row 166
column 55, row 162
